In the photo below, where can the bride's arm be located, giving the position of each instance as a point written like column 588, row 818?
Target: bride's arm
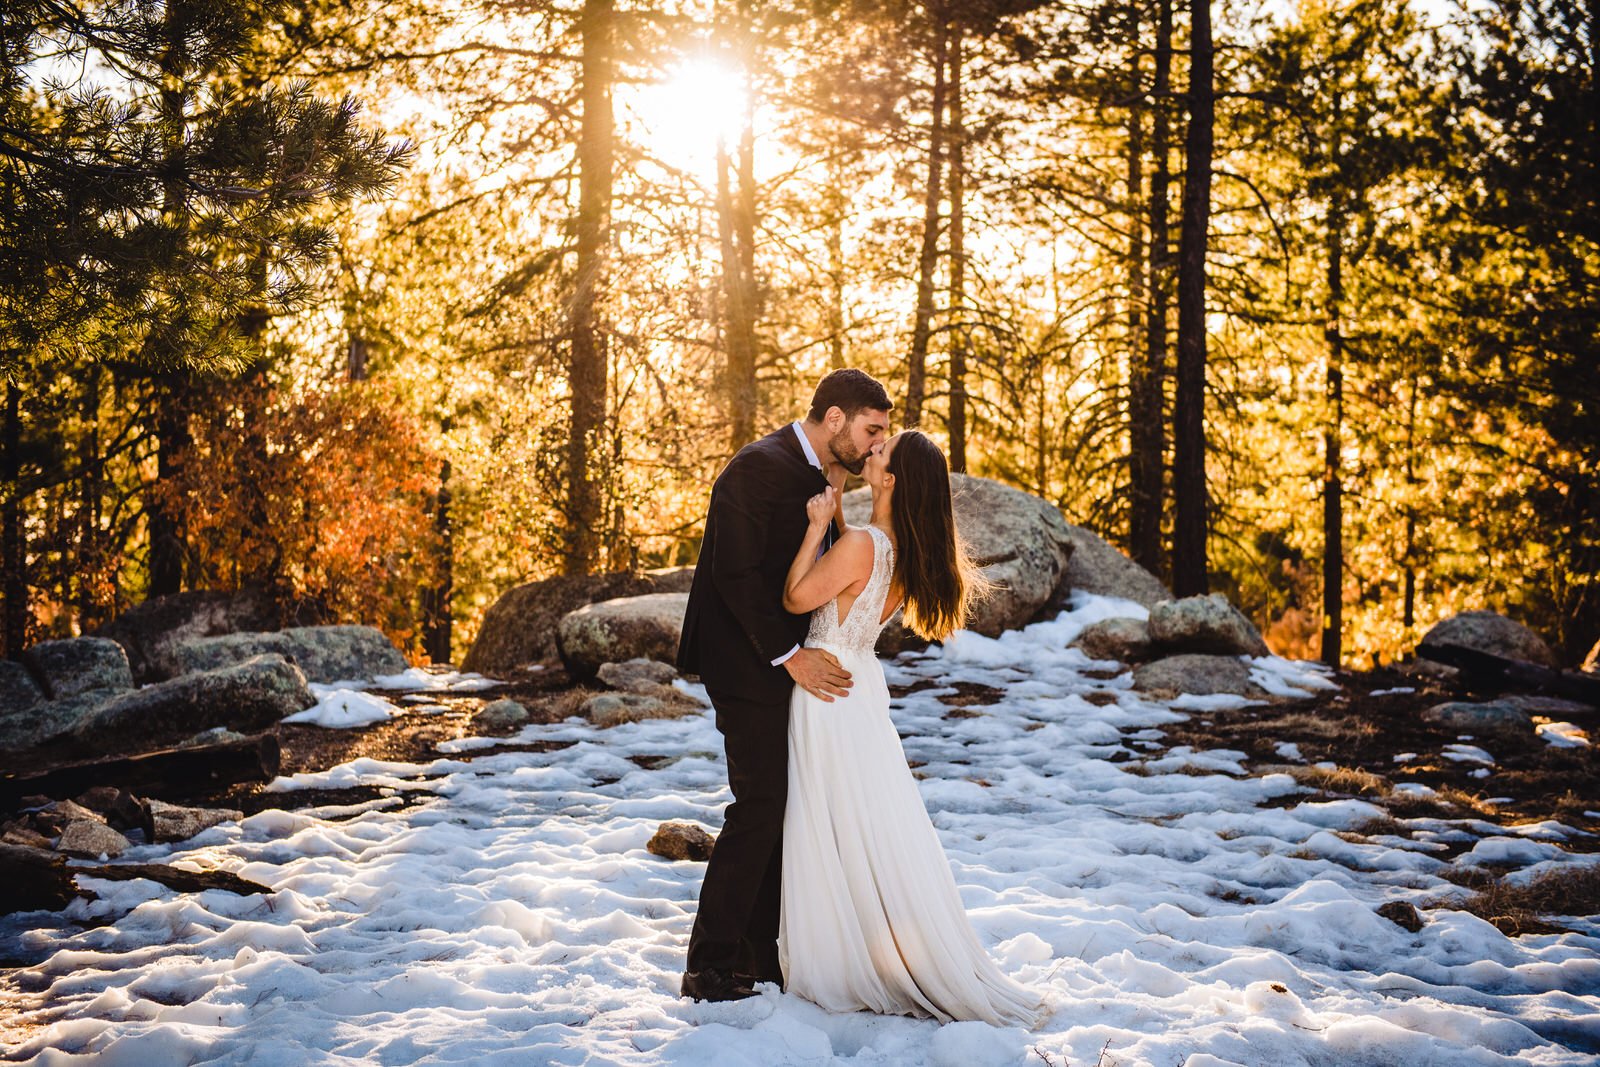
column 813, row 582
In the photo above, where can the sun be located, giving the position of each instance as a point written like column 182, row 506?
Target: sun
column 682, row 118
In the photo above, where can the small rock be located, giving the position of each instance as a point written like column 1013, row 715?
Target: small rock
column 121, row 809
column 55, row 816
column 18, row 834
column 176, row 823
column 501, row 715
column 1194, row 673
column 682, row 841
column 614, row 709
column 1123, row 640
column 91, row 837
column 638, row 675
column 1205, row 624
column 1403, row 915
column 1498, row 716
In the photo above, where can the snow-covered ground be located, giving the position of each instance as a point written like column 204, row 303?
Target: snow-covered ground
column 1173, row 910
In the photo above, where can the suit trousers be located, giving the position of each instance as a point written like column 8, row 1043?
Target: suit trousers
column 736, row 925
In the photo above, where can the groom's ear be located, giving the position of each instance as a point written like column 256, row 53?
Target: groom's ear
column 834, row 419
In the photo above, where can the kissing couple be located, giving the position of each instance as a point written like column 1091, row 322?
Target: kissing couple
column 828, row 877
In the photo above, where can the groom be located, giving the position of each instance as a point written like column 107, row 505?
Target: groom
column 746, row 649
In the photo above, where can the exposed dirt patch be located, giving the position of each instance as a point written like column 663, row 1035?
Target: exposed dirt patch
column 1361, row 729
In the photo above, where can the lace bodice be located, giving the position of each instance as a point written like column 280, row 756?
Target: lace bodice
column 858, row 631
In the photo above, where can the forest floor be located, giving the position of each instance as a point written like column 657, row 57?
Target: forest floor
column 1182, row 876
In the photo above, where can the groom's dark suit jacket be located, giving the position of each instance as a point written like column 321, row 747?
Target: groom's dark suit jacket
column 735, row 625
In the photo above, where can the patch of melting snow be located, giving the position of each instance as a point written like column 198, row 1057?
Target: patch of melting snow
column 1467, row 754
column 1170, row 912
column 1563, row 734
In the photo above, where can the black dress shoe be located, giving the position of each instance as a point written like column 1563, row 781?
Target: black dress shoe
column 714, row 985
column 753, row 980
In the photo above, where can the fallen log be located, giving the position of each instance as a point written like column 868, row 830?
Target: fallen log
column 36, row 879
column 1500, row 673
column 174, row 877
column 172, row 773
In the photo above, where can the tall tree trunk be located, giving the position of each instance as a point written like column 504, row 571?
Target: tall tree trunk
column 1190, row 520
column 172, row 414
column 958, row 261
column 173, row 441
column 1139, row 398
column 13, row 534
column 1147, row 415
column 1333, row 429
column 921, row 329
column 1409, row 556
column 437, row 595
column 836, row 213
column 736, row 230
column 91, row 559
column 587, row 358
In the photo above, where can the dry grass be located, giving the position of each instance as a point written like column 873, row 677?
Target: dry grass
column 1346, row 780
column 1302, row 725
column 1517, row 909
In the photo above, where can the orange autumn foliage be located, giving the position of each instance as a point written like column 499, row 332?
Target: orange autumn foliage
column 324, row 498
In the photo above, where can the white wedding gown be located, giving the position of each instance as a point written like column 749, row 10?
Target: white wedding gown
column 870, row 917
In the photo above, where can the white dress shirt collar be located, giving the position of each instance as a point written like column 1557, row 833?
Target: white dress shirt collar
column 805, row 444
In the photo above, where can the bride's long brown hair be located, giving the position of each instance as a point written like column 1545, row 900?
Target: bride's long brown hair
column 931, row 563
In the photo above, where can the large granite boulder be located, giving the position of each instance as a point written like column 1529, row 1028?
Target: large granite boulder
column 323, row 653
column 25, row 728
column 60, row 683
column 1196, row 673
column 247, row 697
column 613, row 631
column 1123, row 640
column 150, row 631
column 1491, row 632
column 79, row 665
column 1095, row 566
column 520, row 628
column 1021, row 542
column 18, row 688
column 1205, row 624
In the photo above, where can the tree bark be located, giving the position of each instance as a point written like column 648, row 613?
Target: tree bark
column 922, row 326
column 172, row 415
column 1190, row 520
column 1332, row 485
column 836, row 213
column 1147, row 405
column 587, row 356
column 173, row 441
column 957, row 422
column 437, row 596
column 1409, row 556
column 734, row 231
column 169, row 773
column 1139, row 398
column 13, row 535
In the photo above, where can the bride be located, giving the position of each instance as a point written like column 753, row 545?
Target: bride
column 870, row 916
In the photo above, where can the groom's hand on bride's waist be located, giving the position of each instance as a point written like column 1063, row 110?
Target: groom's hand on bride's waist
column 817, row 671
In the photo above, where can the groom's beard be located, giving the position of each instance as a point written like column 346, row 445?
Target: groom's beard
column 845, row 454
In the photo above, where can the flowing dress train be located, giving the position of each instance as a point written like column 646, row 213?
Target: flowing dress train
column 871, row 918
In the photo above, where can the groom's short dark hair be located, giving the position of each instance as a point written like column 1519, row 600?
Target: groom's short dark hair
column 851, row 391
